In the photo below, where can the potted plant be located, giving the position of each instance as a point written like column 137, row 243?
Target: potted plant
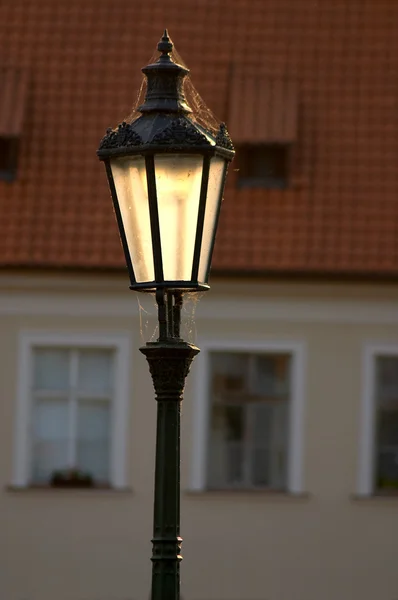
column 71, row 478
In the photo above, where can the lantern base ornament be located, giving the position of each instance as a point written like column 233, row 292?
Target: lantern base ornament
column 169, row 361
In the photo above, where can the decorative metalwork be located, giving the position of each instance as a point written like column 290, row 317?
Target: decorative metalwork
column 122, row 137
column 169, row 366
column 223, row 138
column 181, row 132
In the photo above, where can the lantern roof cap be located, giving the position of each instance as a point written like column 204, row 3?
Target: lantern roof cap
column 166, row 123
column 165, row 82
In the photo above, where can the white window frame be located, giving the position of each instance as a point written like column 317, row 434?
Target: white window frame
column 202, row 402
column 367, row 431
column 120, row 343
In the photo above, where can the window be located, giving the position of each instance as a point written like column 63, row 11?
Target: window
column 263, row 165
column 71, row 410
column 8, row 158
column 14, row 84
column 263, row 123
column 248, row 416
column 249, row 420
column 378, row 448
column 386, row 430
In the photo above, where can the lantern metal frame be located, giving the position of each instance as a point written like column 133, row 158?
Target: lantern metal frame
column 166, row 127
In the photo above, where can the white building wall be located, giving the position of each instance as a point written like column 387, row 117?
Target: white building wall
column 322, row 543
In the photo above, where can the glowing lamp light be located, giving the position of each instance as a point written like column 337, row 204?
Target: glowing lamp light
column 167, row 174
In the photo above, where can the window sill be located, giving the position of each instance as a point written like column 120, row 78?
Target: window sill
column 262, row 184
column 7, row 175
column 376, row 497
column 250, row 493
column 80, row 491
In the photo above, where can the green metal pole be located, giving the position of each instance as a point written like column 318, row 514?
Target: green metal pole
column 169, row 362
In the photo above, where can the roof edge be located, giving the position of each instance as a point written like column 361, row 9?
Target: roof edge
column 302, row 276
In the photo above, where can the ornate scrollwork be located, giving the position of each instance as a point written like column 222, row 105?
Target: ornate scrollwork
column 223, row 138
column 169, row 375
column 169, row 366
column 122, row 137
column 180, row 132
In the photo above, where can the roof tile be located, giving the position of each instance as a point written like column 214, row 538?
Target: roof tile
column 341, row 211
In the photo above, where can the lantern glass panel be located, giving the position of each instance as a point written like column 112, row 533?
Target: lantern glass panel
column 214, row 191
column 129, row 175
column 178, row 183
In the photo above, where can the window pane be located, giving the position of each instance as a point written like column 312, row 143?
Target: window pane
column 212, row 208
column 8, row 158
column 129, row 174
column 50, row 438
column 229, row 419
column 226, row 449
column 261, row 447
column 178, row 181
column 95, row 370
column 93, row 443
column 229, row 374
column 387, row 468
column 270, row 440
column 387, row 422
column 387, row 381
column 271, row 375
column 51, row 369
column 264, row 165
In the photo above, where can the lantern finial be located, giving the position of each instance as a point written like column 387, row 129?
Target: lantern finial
column 165, row 45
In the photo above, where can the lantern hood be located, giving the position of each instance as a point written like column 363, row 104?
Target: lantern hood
column 167, row 122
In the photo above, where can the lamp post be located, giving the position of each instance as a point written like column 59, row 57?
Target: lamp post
column 166, row 174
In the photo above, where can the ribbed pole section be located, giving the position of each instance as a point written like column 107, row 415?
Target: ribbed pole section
column 169, row 364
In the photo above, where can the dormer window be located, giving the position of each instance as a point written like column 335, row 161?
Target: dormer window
column 263, row 165
column 13, row 90
column 8, row 158
column 263, row 124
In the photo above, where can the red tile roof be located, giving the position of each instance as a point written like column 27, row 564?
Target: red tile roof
column 340, row 214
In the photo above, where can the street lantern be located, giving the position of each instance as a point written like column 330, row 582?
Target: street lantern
column 166, row 171
column 166, row 174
